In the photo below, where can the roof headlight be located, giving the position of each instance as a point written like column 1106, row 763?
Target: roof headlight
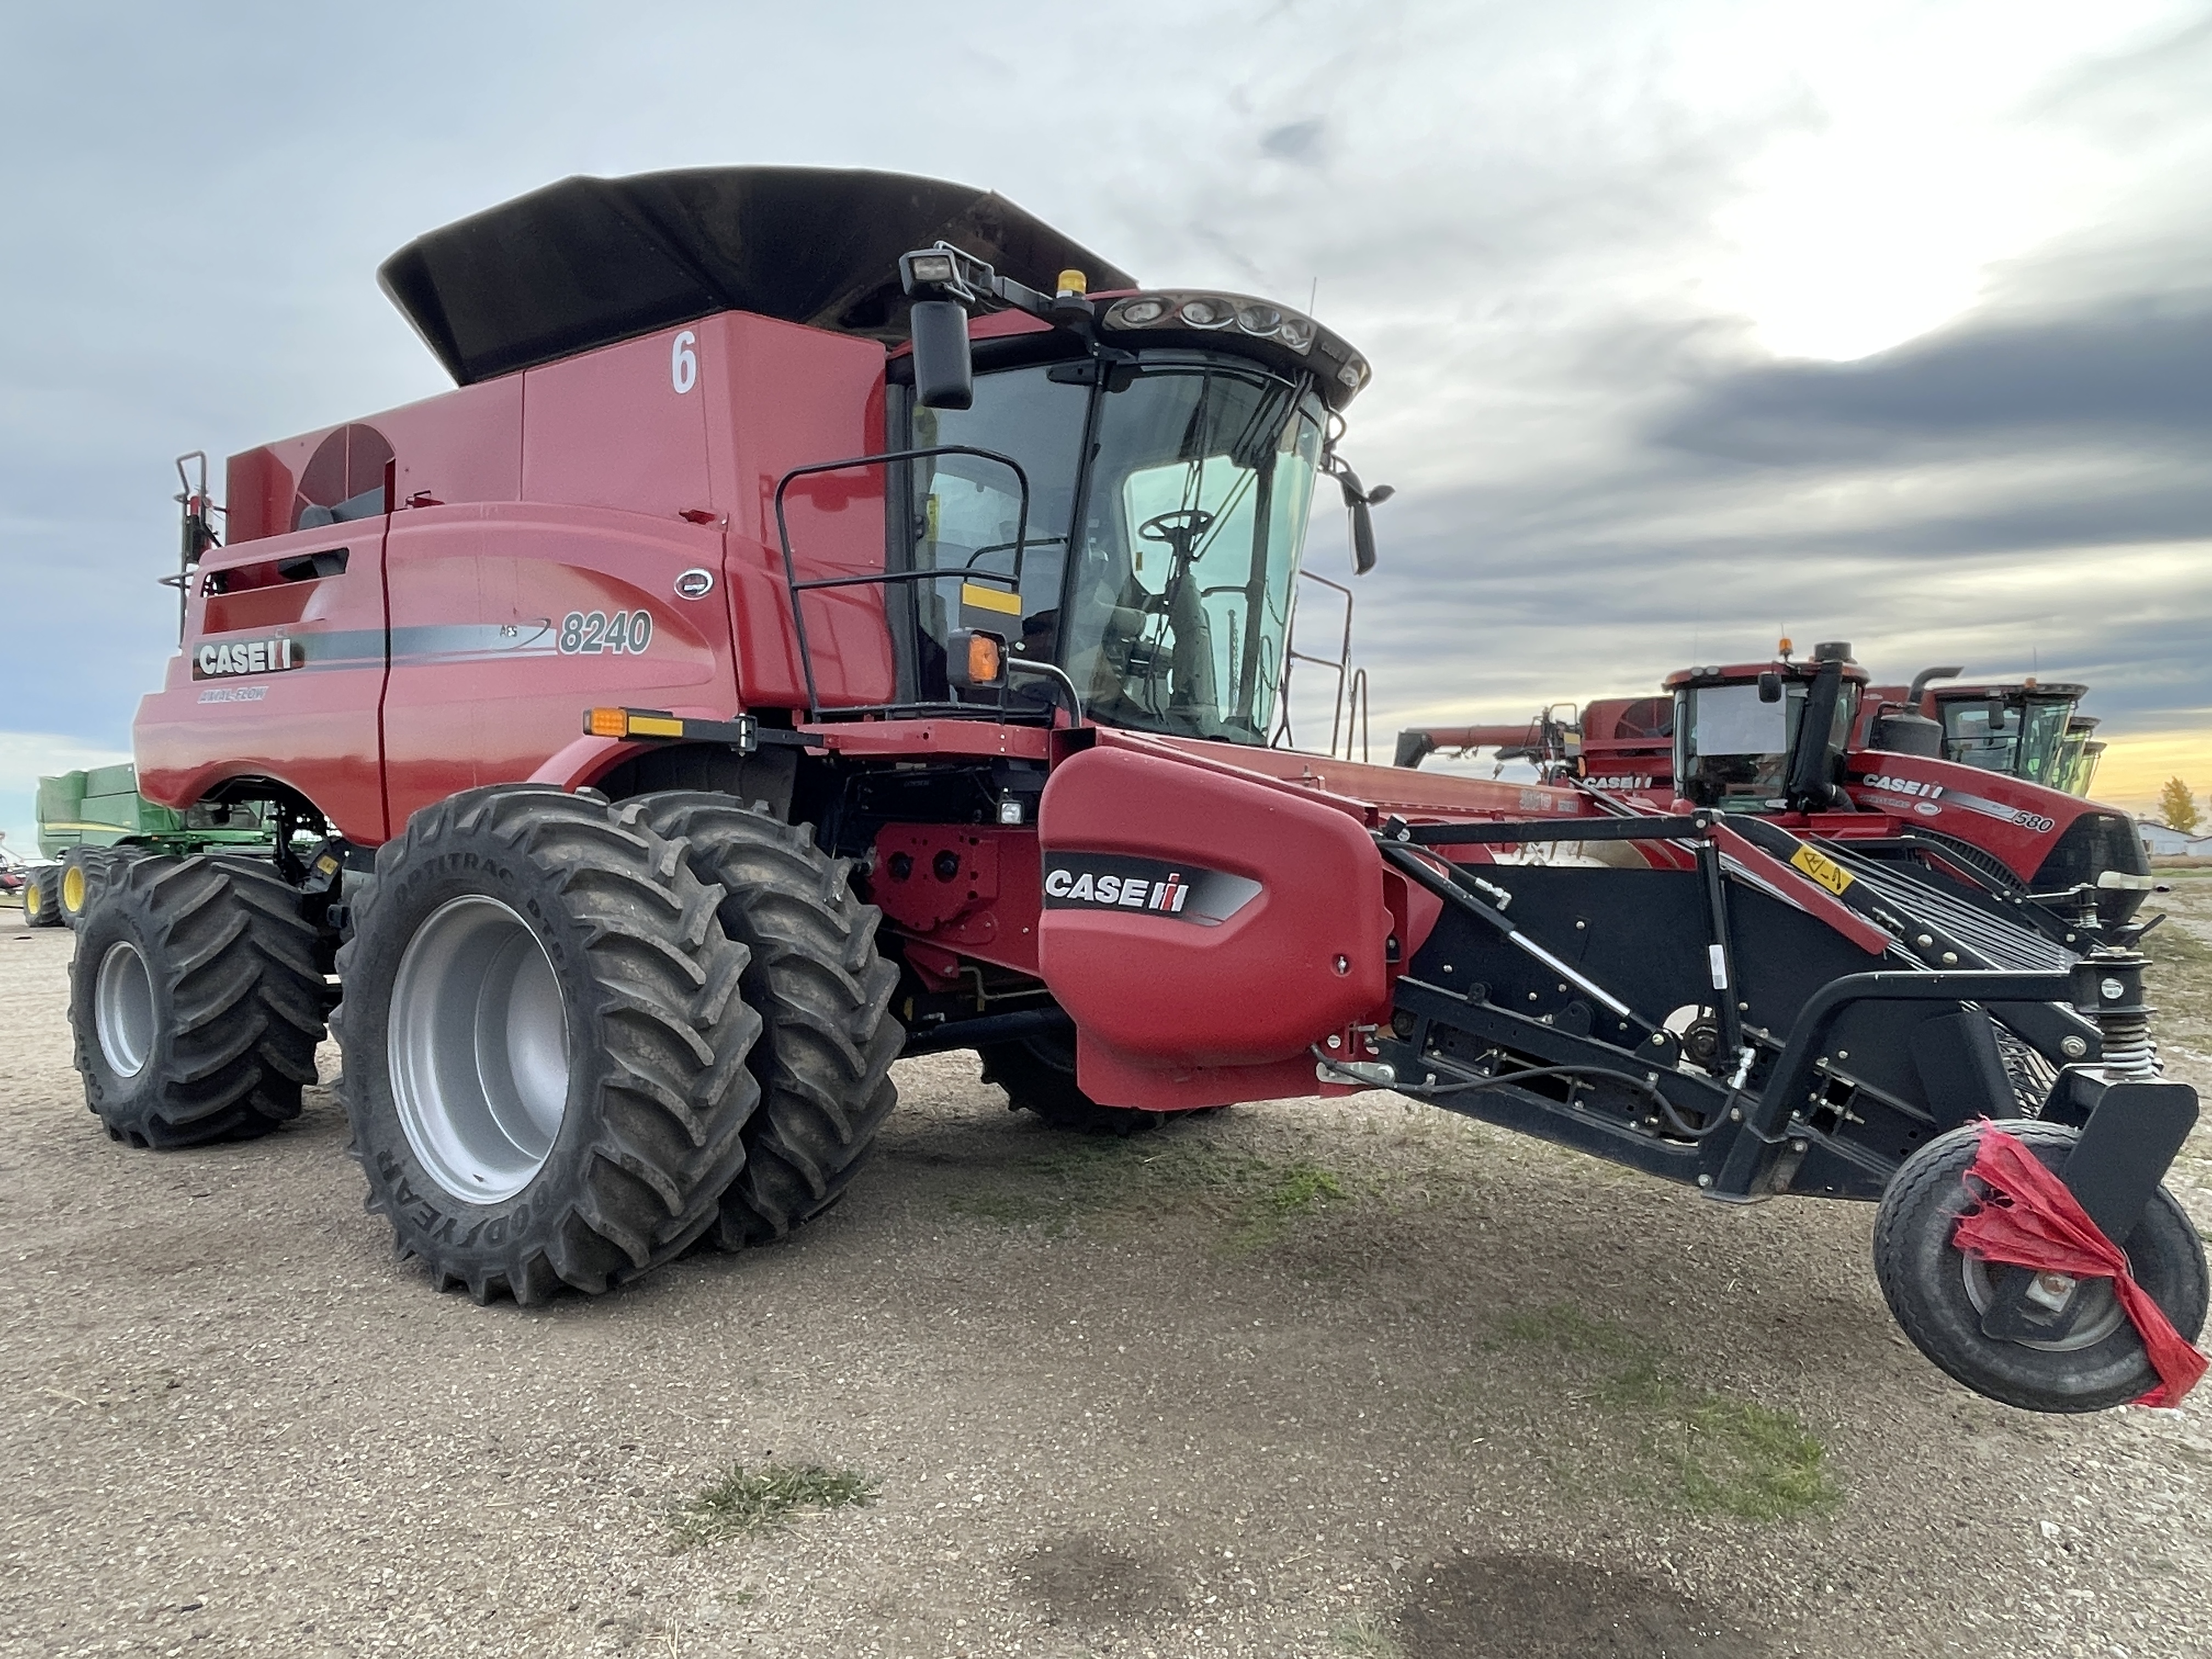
column 1204, row 311
column 1297, row 333
column 1137, row 314
column 1353, row 373
column 1259, row 320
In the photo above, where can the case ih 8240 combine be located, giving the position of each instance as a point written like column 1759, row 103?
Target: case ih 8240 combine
column 714, row 698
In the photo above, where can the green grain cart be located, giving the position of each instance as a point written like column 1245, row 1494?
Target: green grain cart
column 89, row 821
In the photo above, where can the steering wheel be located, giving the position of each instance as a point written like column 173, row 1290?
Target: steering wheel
column 1178, row 529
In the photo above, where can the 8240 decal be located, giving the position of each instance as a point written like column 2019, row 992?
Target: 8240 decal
column 590, row 633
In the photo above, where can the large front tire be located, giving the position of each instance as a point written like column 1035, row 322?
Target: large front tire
column 823, row 992
column 195, row 1002
column 1936, row 1292
column 544, row 1045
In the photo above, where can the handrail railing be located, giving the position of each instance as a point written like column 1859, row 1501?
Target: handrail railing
column 887, row 578
column 1351, row 684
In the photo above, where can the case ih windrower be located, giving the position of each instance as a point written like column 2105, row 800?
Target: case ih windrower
column 924, row 698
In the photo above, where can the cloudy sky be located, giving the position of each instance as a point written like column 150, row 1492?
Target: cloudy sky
column 1691, row 322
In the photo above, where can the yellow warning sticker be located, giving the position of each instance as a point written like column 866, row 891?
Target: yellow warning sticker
column 991, row 599
column 1826, row 870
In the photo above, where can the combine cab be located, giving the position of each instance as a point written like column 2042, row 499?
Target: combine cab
column 2017, row 729
column 836, row 618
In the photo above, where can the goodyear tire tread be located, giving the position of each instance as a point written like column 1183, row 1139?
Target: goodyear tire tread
column 659, row 1092
column 823, row 992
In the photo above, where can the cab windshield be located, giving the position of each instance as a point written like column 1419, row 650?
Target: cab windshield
column 1167, row 606
column 2020, row 737
column 1731, row 749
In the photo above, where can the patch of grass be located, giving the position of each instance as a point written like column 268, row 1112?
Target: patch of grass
column 1738, row 1457
column 1563, row 1326
column 748, row 1502
column 1366, row 1637
column 1293, row 1190
column 1695, row 1448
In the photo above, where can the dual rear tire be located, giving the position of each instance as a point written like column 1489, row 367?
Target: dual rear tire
column 195, row 1002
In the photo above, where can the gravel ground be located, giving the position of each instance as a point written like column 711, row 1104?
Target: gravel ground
column 1345, row 1379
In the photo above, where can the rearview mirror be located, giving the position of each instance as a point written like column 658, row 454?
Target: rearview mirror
column 1363, row 537
column 1358, row 499
column 943, row 371
column 1769, row 687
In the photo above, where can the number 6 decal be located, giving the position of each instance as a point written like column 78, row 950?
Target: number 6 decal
column 684, row 362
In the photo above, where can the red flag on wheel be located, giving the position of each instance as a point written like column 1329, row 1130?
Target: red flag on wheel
column 2027, row 1219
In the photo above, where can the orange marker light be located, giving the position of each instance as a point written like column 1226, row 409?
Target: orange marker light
column 986, row 660
column 606, row 723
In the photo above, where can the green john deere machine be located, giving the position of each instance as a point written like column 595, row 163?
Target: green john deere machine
column 91, row 821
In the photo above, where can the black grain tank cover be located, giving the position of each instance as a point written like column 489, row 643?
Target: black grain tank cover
column 586, row 262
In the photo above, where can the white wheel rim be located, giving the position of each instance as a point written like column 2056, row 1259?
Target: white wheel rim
column 479, row 1050
column 2091, row 1325
column 123, row 1009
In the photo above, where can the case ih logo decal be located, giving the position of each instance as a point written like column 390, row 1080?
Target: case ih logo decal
column 1904, row 787
column 269, row 656
column 1925, row 795
column 1077, row 881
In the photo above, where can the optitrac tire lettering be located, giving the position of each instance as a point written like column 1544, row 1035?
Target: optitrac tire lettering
column 194, row 1001
column 644, row 1132
column 823, row 995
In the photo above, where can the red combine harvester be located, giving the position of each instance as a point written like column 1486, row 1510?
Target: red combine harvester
column 1941, row 782
column 824, row 624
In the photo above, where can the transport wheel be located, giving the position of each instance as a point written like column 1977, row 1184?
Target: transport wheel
column 1938, row 1292
column 1038, row 1074
column 194, row 1001
column 822, row 992
column 545, row 1044
column 42, row 897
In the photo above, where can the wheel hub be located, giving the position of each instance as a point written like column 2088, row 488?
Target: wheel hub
column 479, row 1050
column 2099, row 1316
column 123, row 1009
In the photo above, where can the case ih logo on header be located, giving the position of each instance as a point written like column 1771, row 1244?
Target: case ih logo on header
column 1077, row 881
column 269, row 656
